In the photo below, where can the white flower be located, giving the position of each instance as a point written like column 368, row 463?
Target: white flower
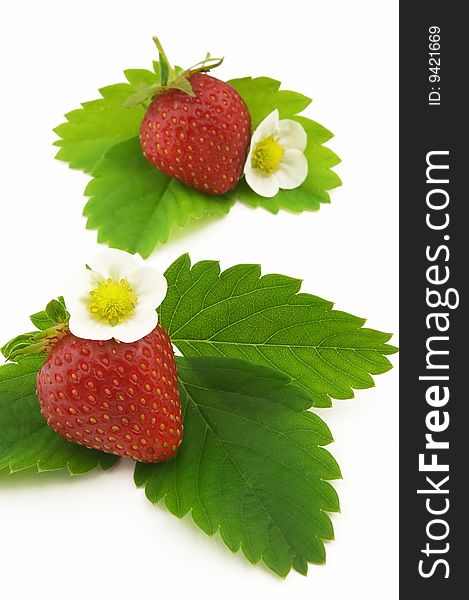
column 276, row 157
column 116, row 298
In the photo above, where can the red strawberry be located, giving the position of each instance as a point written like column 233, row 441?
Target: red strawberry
column 115, row 397
column 202, row 139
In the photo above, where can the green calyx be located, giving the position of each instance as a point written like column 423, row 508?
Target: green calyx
column 171, row 77
column 52, row 325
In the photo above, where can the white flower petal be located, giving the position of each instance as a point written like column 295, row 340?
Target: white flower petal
column 264, row 185
column 267, row 127
column 149, row 285
column 77, row 289
column 83, row 325
column 115, row 264
column 248, row 163
column 293, row 169
column 291, row 135
column 138, row 326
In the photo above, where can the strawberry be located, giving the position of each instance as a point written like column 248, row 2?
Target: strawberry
column 196, row 128
column 203, row 139
column 115, row 397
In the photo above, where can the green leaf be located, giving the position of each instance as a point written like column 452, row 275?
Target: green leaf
column 238, row 313
column 57, row 312
column 183, row 85
column 25, row 438
column 134, row 206
column 100, row 124
column 41, row 320
column 18, row 344
column 143, row 93
column 251, row 465
column 262, row 96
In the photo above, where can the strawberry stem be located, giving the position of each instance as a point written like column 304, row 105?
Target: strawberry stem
column 171, row 78
column 41, row 340
column 165, row 67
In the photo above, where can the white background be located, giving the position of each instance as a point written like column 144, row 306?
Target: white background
column 96, row 536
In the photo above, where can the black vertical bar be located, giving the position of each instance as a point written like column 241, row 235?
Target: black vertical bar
column 434, row 266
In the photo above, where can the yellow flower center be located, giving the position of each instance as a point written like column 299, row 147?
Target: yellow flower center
column 112, row 301
column 267, row 155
